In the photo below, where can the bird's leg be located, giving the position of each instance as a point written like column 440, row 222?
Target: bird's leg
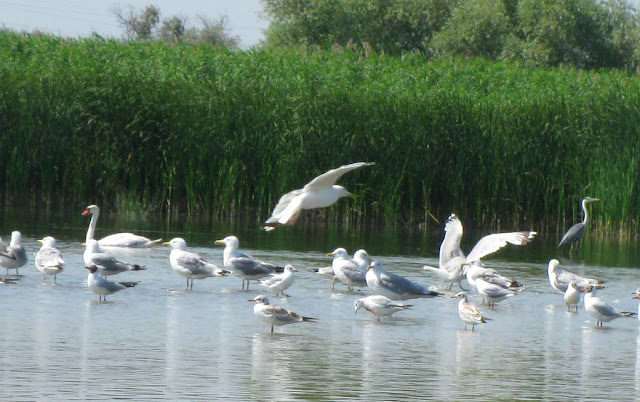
column 55, row 280
column 333, row 283
column 272, row 329
column 187, row 284
column 243, row 284
column 465, row 327
column 460, row 284
column 247, row 284
column 473, row 327
column 191, row 286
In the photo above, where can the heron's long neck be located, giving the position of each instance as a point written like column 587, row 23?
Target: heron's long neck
column 92, row 226
column 584, row 209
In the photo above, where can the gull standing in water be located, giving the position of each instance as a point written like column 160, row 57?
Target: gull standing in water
column 106, row 264
column 395, row 287
column 102, row 287
column 572, row 296
column 15, row 255
column 281, row 282
column 559, row 279
column 469, row 314
column 349, row 271
column 476, row 271
column 452, row 260
column 190, row 265
column 49, row 259
column 379, row 305
column 493, row 293
column 274, row 315
column 576, row 231
column 117, row 239
column 598, row 309
column 242, row 265
column 318, row 193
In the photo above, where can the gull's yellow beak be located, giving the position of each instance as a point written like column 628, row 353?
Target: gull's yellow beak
column 166, row 243
column 84, row 244
column 39, row 241
column 330, row 255
column 351, row 195
column 220, row 243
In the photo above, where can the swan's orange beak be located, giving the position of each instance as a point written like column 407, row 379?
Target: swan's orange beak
column 86, row 212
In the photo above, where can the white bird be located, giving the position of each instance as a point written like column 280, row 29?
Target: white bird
column 106, row 264
column 350, row 271
column 323, row 270
column 476, row 270
column 242, row 265
column 280, row 282
column 599, row 309
column 15, row 255
column 493, row 293
column 103, row 287
column 379, row 305
column 559, row 279
column 318, row 193
column 572, row 296
column 469, row 314
column 452, row 259
column 395, row 287
column 49, row 259
column 274, row 315
column 117, row 239
column 190, row 265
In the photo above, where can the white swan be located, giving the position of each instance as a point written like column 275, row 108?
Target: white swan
column 117, row 239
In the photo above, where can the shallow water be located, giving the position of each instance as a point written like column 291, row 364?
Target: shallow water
column 158, row 341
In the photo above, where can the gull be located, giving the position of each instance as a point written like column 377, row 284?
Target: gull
column 452, row 259
column 493, row 293
column 190, row 265
column 349, row 271
column 281, row 282
column 395, row 287
column 242, row 265
column 475, row 270
column 379, row 305
column 318, row 193
column 49, row 259
column 469, row 314
column 106, row 264
column 15, row 255
column 572, row 296
column 598, row 309
column 323, row 270
column 559, row 279
column 117, row 239
column 274, row 315
column 103, row 287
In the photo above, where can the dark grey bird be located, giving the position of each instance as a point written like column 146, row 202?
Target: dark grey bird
column 576, row 231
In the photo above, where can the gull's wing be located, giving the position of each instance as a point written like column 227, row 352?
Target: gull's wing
column 450, row 247
column 494, row 242
column 401, row 285
column 603, row 308
column 191, row 261
column 470, row 312
column 249, row 266
column 48, row 257
column 108, row 262
column 329, row 178
column 282, row 204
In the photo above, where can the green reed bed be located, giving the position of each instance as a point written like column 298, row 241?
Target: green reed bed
column 178, row 129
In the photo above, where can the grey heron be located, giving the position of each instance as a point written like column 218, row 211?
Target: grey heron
column 576, row 231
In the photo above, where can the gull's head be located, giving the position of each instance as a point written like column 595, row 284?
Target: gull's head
column 177, row 243
column 48, row 242
column 92, row 268
column 357, row 305
column 636, row 295
column 16, row 238
column 461, row 295
column 93, row 246
column 339, row 253
column 229, row 241
column 91, row 209
column 553, row 264
column 361, row 255
column 260, row 299
column 590, row 289
column 375, row 265
column 290, row 268
column 340, row 192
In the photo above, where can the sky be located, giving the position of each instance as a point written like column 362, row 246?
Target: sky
column 79, row 18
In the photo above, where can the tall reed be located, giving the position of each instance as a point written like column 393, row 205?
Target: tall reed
column 212, row 132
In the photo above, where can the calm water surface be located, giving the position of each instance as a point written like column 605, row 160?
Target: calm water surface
column 158, row 341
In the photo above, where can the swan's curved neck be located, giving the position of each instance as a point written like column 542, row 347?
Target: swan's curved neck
column 584, row 209
column 92, row 225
